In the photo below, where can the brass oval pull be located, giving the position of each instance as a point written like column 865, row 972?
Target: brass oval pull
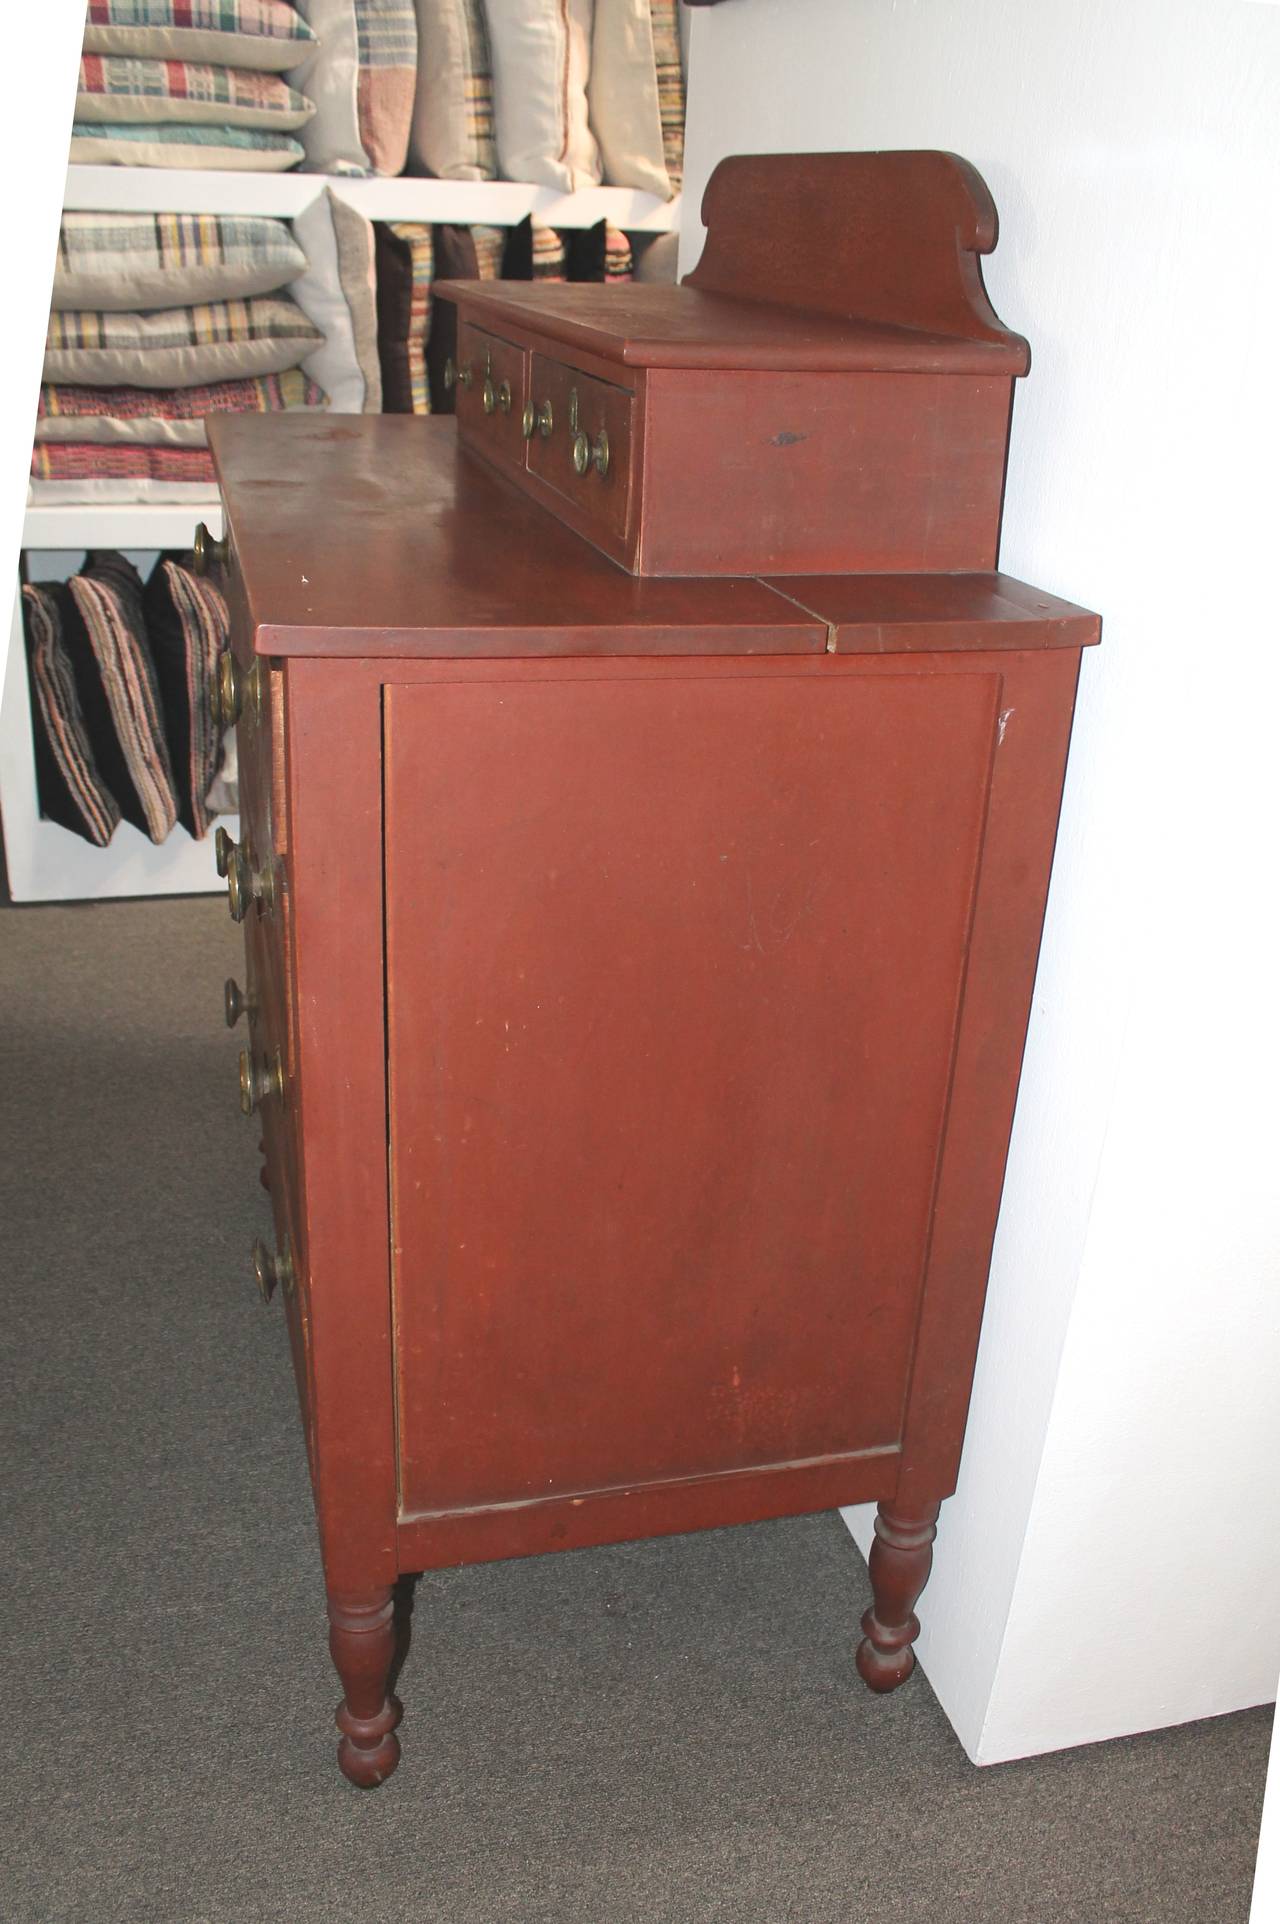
column 235, row 1002
column 545, row 420
column 259, row 1081
column 271, row 1271
column 207, row 552
column 223, row 850
column 455, row 376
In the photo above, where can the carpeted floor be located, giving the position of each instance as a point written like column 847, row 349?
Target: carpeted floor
column 669, row 1732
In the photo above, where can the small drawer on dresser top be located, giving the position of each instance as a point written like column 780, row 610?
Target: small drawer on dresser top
column 490, row 386
column 581, row 446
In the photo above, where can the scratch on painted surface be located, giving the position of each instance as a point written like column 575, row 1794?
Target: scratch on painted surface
column 1003, row 722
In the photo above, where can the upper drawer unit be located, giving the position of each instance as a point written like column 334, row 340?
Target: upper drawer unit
column 806, row 402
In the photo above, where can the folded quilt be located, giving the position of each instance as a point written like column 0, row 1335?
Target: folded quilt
column 116, row 262
column 238, row 150
column 159, row 417
column 118, row 89
column 264, row 34
column 179, row 346
column 80, row 460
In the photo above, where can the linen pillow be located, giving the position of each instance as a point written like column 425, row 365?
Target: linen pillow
column 187, row 627
column 635, row 94
column 362, row 79
column 240, row 150
column 179, row 346
column 113, row 261
column 137, row 91
column 105, row 643
column 165, row 419
column 541, row 54
column 404, row 255
column 339, row 294
column 452, row 131
column 70, row 789
column 266, row 35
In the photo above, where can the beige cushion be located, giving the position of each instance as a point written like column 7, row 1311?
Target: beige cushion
column 139, row 92
column 241, row 150
column 266, row 35
column 541, row 53
column 452, row 132
column 126, row 261
column 635, row 95
column 362, row 79
column 338, row 293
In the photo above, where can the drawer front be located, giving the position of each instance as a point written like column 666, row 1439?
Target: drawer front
column 491, row 394
column 586, row 454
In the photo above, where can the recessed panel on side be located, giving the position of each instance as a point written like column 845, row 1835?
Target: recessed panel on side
column 674, row 966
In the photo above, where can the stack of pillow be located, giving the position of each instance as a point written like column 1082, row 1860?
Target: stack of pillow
column 562, row 93
column 191, row 83
column 121, row 679
column 161, row 319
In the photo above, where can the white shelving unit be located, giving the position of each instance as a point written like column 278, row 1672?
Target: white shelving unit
column 47, row 863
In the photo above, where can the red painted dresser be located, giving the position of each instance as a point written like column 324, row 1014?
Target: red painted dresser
column 642, row 873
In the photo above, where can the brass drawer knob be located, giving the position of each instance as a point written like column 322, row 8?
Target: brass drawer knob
column 235, row 1002
column 536, row 419
column 587, row 454
column 272, row 1272
column 236, row 691
column 259, row 1081
column 223, row 850
column 245, row 884
column 496, row 399
column 455, row 376
column 206, row 551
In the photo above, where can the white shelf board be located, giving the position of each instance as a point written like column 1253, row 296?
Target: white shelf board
column 47, row 863
column 119, row 525
column 495, row 203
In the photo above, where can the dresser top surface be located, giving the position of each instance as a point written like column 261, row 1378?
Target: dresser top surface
column 376, row 536
column 684, row 327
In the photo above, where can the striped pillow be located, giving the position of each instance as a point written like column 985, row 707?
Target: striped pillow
column 134, row 91
column 362, row 79
column 114, row 261
column 267, row 35
column 70, row 789
column 240, row 150
column 165, row 419
column 187, row 627
column 179, row 346
column 404, row 252
column 105, row 642
column 452, row 132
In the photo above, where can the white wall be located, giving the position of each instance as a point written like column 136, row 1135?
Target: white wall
column 1111, row 1561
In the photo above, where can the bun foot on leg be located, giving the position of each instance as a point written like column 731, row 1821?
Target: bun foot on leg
column 899, row 1565
column 362, row 1643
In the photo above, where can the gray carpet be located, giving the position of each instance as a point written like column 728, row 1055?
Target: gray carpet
column 668, row 1731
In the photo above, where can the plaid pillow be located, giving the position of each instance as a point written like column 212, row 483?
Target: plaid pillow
column 452, row 132
column 70, row 789
column 363, row 79
column 136, row 91
column 187, row 627
column 264, row 34
column 404, row 254
column 179, row 346
column 112, row 261
column 167, row 144
column 157, row 418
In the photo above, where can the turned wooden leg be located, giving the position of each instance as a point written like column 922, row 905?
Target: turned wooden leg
column 362, row 1643
column 899, row 1565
